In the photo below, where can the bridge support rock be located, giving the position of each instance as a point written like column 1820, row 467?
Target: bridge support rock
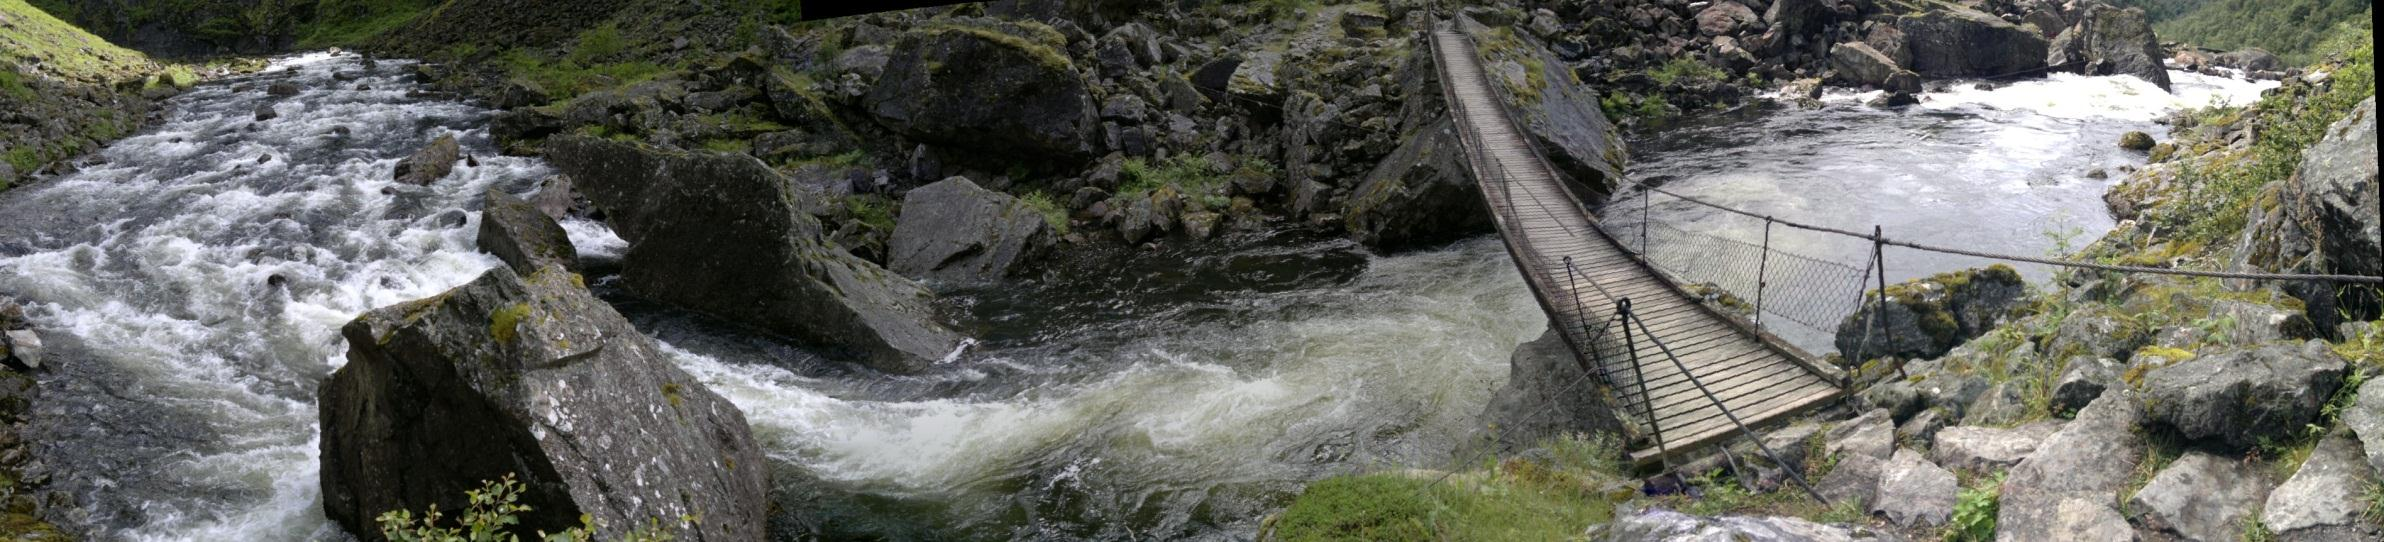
column 1547, row 396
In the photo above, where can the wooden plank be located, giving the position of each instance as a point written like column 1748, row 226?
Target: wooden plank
column 1690, row 439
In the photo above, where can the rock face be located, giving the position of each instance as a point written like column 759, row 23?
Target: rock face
column 1659, row 524
column 2200, row 497
column 1547, row 395
column 2237, row 398
column 1421, row 195
column 2323, row 500
column 525, row 238
column 538, row 379
column 942, row 81
column 2337, row 190
column 1914, row 492
column 2365, row 418
column 956, row 232
column 1929, row 317
column 2110, row 41
column 725, row 235
column 2066, row 488
column 431, row 163
column 1959, row 42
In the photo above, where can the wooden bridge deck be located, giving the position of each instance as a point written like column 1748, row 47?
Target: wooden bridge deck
column 1758, row 377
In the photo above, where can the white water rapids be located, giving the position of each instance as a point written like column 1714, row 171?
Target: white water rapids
column 1175, row 395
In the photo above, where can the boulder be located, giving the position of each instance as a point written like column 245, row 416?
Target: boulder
column 2109, row 41
column 558, row 199
column 1953, row 41
column 726, row 235
column 2325, row 500
column 1857, row 64
column 2200, row 498
column 941, row 77
column 1988, row 449
column 283, row 89
column 2239, row 398
column 957, row 233
column 1557, row 111
column 2336, row 190
column 1421, row 195
column 1660, row 524
column 1854, row 480
column 1800, row 17
column 2067, row 487
column 431, row 163
column 2083, row 380
column 266, row 113
column 1724, row 18
column 2365, row 419
column 1915, row 493
column 2001, row 404
column 1872, row 434
column 2251, row 59
column 537, row 379
column 1923, row 427
column 21, row 349
column 2100, row 332
column 524, row 238
column 1889, row 42
column 1547, row 395
column 2136, row 141
column 1929, row 317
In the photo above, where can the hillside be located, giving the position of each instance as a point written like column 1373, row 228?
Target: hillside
column 69, row 91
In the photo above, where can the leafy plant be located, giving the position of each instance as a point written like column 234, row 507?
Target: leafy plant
column 1053, row 215
column 493, row 515
column 1975, row 511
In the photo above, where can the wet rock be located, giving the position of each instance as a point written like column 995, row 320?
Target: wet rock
column 1872, row 434
column 2251, row 59
column 1857, row 64
column 941, row 77
column 1914, row 493
column 266, row 113
column 2324, row 500
column 1960, row 42
column 537, row 379
column 2067, row 488
column 1987, row 449
column 2084, row 380
column 2136, row 141
column 2200, row 497
column 429, row 164
column 726, row 235
column 283, row 89
column 1547, row 396
column 1421, row 195
column 558, row 199
column 2241, row 397
column 1660, row 524
column 2109, row 41
column 524, row 238
column 954, row 232
column 1894, row 100
column 1929, row 317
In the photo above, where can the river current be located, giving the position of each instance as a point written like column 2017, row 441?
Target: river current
column 192, row 279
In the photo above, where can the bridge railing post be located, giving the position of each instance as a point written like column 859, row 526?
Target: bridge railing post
column 1879, row 252
column 1763, row 270
column 1647, row 403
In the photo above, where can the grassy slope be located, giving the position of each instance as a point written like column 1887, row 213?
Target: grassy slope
column 41, row 58
column 2292, row 29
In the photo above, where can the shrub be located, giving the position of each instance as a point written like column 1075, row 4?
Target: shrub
column 1053, row 214
column 494, row 513
column 1974, row 513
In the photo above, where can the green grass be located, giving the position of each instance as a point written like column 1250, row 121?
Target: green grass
column 13, row 85
column 599, row 45
column 1686, row 70
column 565, row 79
column 1394, row 506
column 1975, row 511
column 1053, row 215
column 871, row 210
column 33, row 37
column 1187, row 173
column 2217, row 194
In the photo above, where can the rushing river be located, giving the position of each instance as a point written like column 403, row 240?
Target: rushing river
column 193, row 277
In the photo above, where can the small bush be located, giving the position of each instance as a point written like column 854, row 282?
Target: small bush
column 1053, row 215
column 599, row 44
column 873, row 211
column 493, row 515
column 1974, row 513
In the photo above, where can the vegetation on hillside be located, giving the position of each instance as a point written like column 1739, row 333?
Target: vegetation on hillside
column 2293, row 29
column 71, row 91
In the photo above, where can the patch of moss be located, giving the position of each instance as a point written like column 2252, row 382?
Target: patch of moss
column 670, row 392
column 1043, row 45
column 505, row 322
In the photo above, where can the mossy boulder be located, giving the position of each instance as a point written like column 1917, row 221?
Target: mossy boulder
column 2136, row 141
column 2110, row 41
column 1927, row 318
column 535, row 378
column 2237, row 399
column 725, row 235
column 987, row 85
column 521, row 235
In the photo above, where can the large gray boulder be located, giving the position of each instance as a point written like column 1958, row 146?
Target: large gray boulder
column 525, row 238
column 2337, row 191
column 1988, row 449
column 1953, row 41
column 534, row 378
column 431, row 163
column 2325, row 500
column 2238, row 398
column 1559, row 113
column 1421, row 195
column 725, row 235
column 1926, row 318
column 1872, row 434
column 1800, row 17
column 1857, row 64
column 2365, row 419
column 2110, row 41
column 2070, row 485
column 2252, row 59
column 1854, row 480
column 1915, row 493
column 1547, row 395
column 1661, row 524
column 2200, row 498
column 955, row 232
column 988, row 85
